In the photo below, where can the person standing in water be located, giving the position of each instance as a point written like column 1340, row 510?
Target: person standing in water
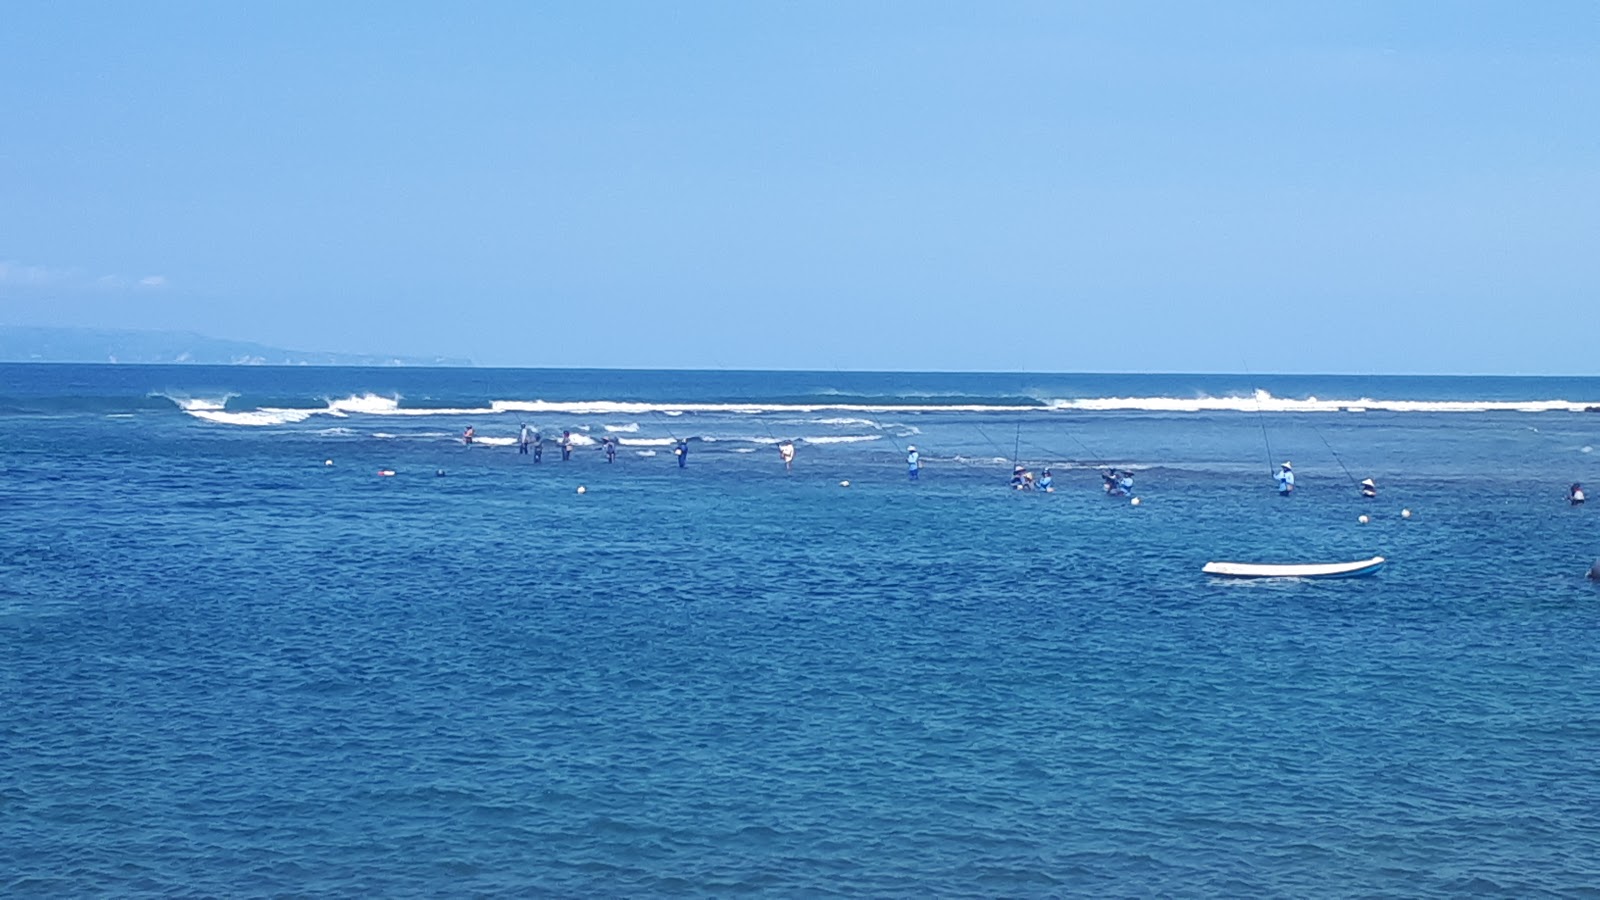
column 466, row 436
column 913, row 463
column 524, row 439
column 1285, row 479
column 566, row 445
column 1125, row 483
column 611, row 449
column 538, row 447
column 786, row 450
column 1369, row 489
column 1575, row 494
column 681, row 451
column 1046, row 482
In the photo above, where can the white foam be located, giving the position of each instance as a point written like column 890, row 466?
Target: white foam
column 369, row 404
column 494, row 441
column 197, row 404
column 842, row 439
column 254, row 418
column 646, row 442
column 213, row 409
column 1265, row 402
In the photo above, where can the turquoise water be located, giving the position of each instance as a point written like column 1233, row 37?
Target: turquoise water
column 233, row 669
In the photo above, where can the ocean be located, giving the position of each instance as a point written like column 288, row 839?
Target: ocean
column 238, row 661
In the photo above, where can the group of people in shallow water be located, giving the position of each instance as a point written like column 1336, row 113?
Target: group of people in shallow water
column 531, row 443
column 1115, row 482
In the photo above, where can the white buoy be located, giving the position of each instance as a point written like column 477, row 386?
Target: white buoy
column 327, row 462
column 1134, row 501
column 1363, row 519
column 386, row 472
column 845, row 483
column 1405, row 513
column 582, row 489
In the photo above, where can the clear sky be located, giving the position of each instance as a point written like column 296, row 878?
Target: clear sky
column 1297, row 187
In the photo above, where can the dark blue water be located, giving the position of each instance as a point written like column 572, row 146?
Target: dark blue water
column 232, row 669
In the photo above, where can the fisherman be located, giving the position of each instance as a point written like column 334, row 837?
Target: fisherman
column 681, row 451
column 1369, row 489
column 1125, row 483
column 1285, row 479
column 566, row 445
column 1017, row 480
column 1575, row 494
column 466, row 436
column 611, row 449
column 786, row 450
column 1108, row 483
column 538, row 447
column 1046, row 482
column 524, row 438
column 913, row 463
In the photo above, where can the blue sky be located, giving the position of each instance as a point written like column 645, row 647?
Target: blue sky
column 1354, row 187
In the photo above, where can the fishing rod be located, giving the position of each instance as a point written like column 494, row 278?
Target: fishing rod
column 1053, row 453
column 992, row 442
column 1261, row 419
column 1335, row 453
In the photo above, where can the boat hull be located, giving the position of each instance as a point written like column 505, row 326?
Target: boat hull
column 1295, row 570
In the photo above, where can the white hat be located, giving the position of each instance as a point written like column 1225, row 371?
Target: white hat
column 1369, row 483
column 911, row 446
column 1287, row 466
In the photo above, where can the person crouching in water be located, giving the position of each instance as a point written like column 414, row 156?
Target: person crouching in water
column 1108, row 480
column 1285, row 479
column 1369, row 489
column 1046, row 482
column 1575, row 494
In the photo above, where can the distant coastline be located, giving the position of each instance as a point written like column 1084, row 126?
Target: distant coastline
column 110, row 345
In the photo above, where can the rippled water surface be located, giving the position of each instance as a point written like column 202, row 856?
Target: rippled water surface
column 230, row 669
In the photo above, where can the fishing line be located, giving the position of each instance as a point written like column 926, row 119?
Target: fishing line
column 992, row 442
column 1335, row 455
column 1261, row 418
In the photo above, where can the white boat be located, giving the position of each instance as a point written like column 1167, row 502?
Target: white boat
column 1295, row 570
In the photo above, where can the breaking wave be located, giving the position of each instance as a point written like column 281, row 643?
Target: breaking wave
column 215, row 409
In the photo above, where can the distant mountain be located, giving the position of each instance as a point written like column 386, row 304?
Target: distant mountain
column 30, row 344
